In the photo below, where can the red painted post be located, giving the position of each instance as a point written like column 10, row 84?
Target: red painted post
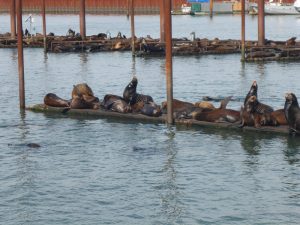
column 261, row 22
column 169, row 65
column 20, row 55
column 243, row 30
column 162, row 20
column 44, row 24
column 13, row 19
column 82, row 19
column 132, row 27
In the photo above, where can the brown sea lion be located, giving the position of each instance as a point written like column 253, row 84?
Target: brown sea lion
column 53, row 100
column 218, row 115
column 115, row 103
column 81, row 103
column 291, row 41
column 250, row 118
column 205, row 105
column 274, row 118
column 82, row 89
column 180, row 108
column 292, row 112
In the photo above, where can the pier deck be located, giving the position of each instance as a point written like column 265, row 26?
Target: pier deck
column 90, row 113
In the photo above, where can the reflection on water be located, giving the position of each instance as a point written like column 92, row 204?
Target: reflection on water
column 170, row 194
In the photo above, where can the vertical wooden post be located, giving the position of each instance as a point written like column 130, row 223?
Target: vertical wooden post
column 211, row 7
column 162, row 20
column 243, row 30
column 20, row 55
column 261, row 22
column 44, row 24
column 169, row 65
column 82, row 19
column 13, row 19
column 132, row 27
column 128, row 8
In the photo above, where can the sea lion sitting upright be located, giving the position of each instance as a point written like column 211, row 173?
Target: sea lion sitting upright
column 131, row 96
column 249, row 115
column 252, row 92
column 53, row 100
column 140, row 103
column 292, row 112
column 259, row 107
column 83, row 98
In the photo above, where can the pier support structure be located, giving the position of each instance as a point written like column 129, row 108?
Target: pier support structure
column 211, row 7
column 162, row 20
column 169, row 64
column 132, row 27
column 13, row 19
column 44, row 24
column 261, row 22
column 82, row 19
column 20, row 55
column 243, row 30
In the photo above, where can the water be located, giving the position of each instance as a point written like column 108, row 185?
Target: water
column 103, row 171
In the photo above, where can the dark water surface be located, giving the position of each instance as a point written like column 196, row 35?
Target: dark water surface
column 101, row 171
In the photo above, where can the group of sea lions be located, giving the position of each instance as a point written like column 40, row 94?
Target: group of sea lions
column 83, row 98
column 252, row 113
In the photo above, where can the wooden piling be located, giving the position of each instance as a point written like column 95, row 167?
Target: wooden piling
column 261, row 22
column 211, row 7
column 20, row 55
column 44, row 24
column 162, row 20
column 169, row 65
column 132, row 27
column 82, row 19
column 13, row 19
column 243, row 30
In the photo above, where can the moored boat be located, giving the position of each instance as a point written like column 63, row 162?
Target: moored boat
column 279, row 8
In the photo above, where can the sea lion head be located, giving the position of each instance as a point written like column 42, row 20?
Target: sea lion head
column 130, row 89
column 250, row 104
column 253, row 89
column 291, row 98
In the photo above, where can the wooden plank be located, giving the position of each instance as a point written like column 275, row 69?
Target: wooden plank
column 100, row 113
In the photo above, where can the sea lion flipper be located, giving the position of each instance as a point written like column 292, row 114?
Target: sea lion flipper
column 224, row 102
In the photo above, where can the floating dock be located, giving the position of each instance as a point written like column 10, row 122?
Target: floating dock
column 134, row 117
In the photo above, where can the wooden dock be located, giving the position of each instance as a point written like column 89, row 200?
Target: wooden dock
column 133, row 117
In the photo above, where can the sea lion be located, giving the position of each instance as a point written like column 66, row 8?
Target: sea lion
column 147, row 108
column 205, row 105
column 82, row 103
column 251, row 92
column 218, row 115
column 249, row 116
column 291, row 41
column 83, row 98
column 180, row 108
column 292, row 112
column 82, row 89
column 274, row 118
column 115, row 103
column 53, row 100
column 253, row 105
column 131, row 96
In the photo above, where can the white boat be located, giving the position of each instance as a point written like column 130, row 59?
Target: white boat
column 279, row 8
column 297, row 5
